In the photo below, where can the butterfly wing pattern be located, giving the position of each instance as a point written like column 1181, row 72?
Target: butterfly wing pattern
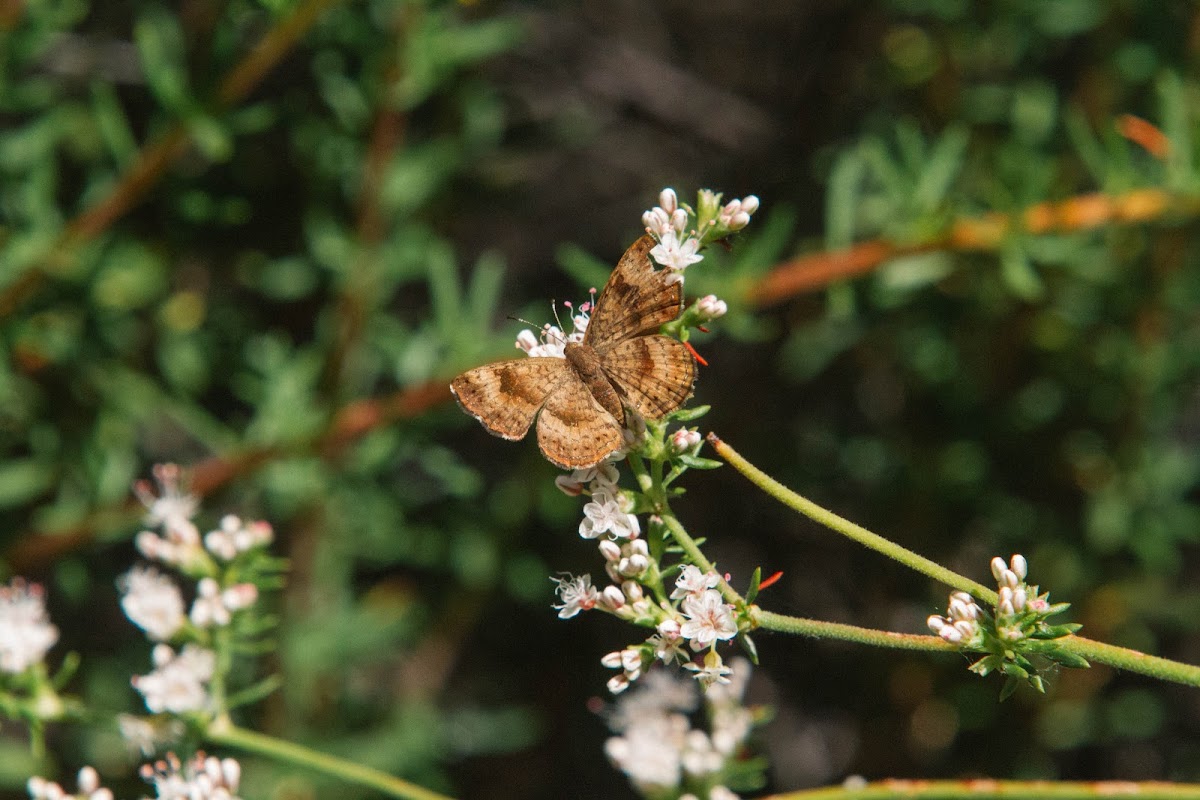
column 651, row 373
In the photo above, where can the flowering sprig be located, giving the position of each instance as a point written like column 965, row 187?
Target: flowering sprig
column 28, row 690
column 230, row 567
column 651, row 586
column 202, row 777
column 664, row 755
column 1016, row 630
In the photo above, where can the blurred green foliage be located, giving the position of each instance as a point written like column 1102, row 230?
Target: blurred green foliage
column 325, row 238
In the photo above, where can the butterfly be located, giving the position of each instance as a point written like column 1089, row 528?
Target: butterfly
column 581, row 402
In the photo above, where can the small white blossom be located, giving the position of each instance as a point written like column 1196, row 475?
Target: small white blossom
column 172, row 506
column 601, row 476
column 146, row 735
column 202, row 778
column 577, row 594
column 153, row 602
column 675, row 255
column 692, row 581
column 87, row 782
column 735, row 214
column 712, row 672
column 25, row 629
column 235, row 536
column 604, row 514
column 178, row 684
column 684, row 440
column 709, row 619
column 612, row 598
column 710, row 307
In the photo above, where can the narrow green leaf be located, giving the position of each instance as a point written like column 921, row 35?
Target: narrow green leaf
column 695, row 462
column 752, row 590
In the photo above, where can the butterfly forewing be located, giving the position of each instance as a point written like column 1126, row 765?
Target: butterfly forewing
column 574, row 431
column 506, row 396
column 654, row 373
column 637, row 299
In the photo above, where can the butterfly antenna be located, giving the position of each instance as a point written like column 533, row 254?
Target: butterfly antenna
column 520, row 319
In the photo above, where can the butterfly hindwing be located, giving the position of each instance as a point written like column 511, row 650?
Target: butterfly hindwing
column 655, row 373
column 507, row 395
column 573, row 430
column 637, row 299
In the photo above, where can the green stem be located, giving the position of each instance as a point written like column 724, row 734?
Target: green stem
column 858, row 533
column 223, row 731
column 987, row 789
column 769, row 620
column 1133, row 661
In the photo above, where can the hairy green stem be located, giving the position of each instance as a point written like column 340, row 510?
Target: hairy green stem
column 223, row 731
column 987, row 789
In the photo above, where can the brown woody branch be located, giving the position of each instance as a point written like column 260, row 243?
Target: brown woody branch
column 153, row 161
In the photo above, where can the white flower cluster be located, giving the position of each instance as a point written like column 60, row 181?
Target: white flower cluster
column 154, row 602
column 608, row 511
column 202, row 778
column 26, row 632
column 961, row 625
column 551, row 342
column 659, row 750
column 179, row 682
column 698, row 618
column 87, row 783
column 678, row 246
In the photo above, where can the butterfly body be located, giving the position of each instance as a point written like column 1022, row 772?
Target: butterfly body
column 580, row 401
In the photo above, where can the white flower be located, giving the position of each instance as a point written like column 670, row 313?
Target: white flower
column 577, row 594
column 666, row 217
column 235, row 536
column 650, row 752
column 152, row 601
column 601, row 476
column 177, row 685
column 202, row 778
column 710, row 307
column 692, row 581
column 88, row 783
column 605, row 515
column 674, row 255
column 25, row 629
column 735, row 214
column 712, row 672
column 667, row 649
column 699, row 757
column 709, row 619
column 683, row 440
column 172, row 506
column 146, row 735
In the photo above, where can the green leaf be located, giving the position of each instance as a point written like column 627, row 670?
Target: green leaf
column 688, row 414
column 161, row 46
column 752, row 590
column 1018, row 273
column 750, row 647
column 695, row 462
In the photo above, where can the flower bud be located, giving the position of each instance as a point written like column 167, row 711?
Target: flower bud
column 668, row 201
column 1019, row 565
column 610, row 550
column 612, row 597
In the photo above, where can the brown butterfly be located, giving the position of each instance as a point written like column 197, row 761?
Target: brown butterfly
column 580, row 401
